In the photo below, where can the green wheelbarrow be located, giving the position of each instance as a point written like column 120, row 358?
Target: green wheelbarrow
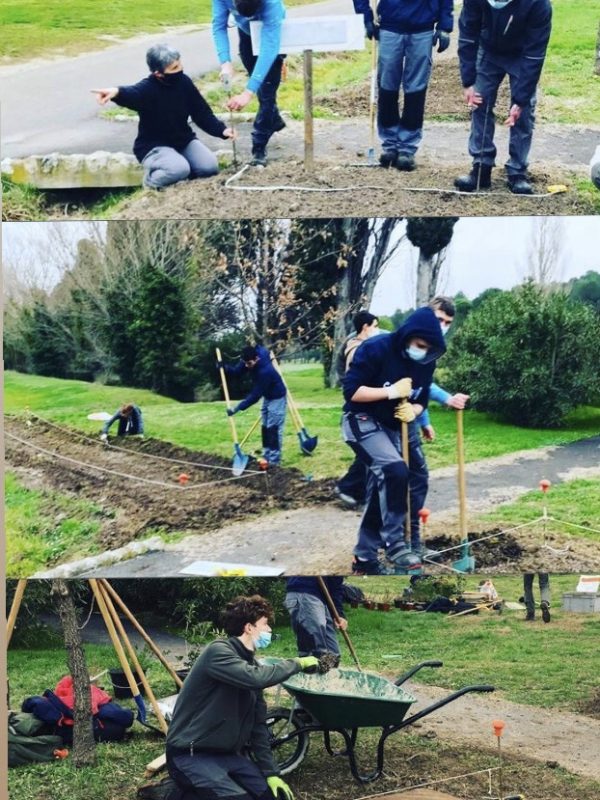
column 343, row 701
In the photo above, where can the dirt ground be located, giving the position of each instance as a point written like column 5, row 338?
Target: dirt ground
column 225, row 520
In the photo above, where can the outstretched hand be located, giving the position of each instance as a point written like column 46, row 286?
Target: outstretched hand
column 104, row 96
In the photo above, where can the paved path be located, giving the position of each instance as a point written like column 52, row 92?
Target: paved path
column 320, row 539
column 47, row 105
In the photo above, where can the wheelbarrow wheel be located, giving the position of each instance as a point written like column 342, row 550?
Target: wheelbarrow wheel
column 287, row 755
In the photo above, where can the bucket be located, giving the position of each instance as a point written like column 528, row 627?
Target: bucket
column 120, row 685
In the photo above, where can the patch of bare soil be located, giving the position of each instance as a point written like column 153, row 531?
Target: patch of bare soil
column 132, row 508
column 591, row 706
column 360, row 191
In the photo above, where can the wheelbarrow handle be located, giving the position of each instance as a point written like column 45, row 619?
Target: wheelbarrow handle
column 406, row 675
column 440, row 703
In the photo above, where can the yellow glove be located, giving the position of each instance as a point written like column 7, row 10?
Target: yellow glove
column 405, row 412
column 400, row 390
column 308, row 663
column 279, row 788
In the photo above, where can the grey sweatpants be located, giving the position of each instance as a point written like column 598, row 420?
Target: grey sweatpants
column 165, row 165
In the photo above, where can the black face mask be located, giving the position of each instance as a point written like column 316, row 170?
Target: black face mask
column 171, row 79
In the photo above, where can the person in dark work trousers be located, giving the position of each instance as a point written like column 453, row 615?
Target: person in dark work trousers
column 528, row 599
column 312, row 623
column 499, row 38
column 264, row 70
column 131, row 422
column 388, row 384
column 407, row 30
column 268, row 384
column 218, row 742
column 166, row 146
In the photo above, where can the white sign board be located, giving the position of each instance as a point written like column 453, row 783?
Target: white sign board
column 215, row 569
column 588, row 583
column 319, row 34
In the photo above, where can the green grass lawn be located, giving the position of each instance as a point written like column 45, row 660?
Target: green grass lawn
column 204, row 426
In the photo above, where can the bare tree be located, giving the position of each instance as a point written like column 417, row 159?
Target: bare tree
column 431, row 235
column 84, row 746
column 545, row 263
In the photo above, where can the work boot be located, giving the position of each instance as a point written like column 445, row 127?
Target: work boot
column 530, row 616
column 518, row 184
column 388, row 158
column 259, row 157
column 545, row 606
column 403, row 559
column 346, row 499
column 374, row 567
column 426, row 554
column 405, row 162
column 481, row 173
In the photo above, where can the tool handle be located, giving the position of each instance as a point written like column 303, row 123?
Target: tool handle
column 406, row 457
column 462, row 492
column 290, row 400
column 337, row 618
column 226, row 393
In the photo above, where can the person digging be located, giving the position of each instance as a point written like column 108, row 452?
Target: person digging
column 131, row 422
column 312, row 623
column 166, row 146
column 268, row 384
column 387, row 385
column 218, row 741
column 499, row 38
column 264, row 70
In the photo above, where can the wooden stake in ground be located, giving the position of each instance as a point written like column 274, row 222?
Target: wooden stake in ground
column 84, row 746
column 14, row 609
column 309, row 147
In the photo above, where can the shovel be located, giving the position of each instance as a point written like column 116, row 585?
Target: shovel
column 240, row 460
column 466, row 562
column 336, row 617
column 307, row 443
column 372, row 103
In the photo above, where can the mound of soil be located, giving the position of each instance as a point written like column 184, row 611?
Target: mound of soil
column 497, row 552
column 131, row 507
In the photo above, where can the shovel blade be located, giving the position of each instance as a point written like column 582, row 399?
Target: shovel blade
column 240, row 461
column 307, row 443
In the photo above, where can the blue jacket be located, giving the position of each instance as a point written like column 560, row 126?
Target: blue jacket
column 409, row 16
column 135, row 424
column 520, row 30
column 382, row 360
column 271, row 14
column 309, row 585
column 440, row 396
column 266, row 381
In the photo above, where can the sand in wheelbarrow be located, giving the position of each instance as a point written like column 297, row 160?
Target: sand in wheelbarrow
column 349, row 683
column 420, row 794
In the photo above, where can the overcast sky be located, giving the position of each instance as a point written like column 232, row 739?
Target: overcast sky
column 484, row 252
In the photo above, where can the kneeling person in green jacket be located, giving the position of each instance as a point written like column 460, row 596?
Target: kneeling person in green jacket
column 220, row 715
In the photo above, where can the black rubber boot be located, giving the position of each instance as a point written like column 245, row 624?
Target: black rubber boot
column 259, row 157
column 518, row 184
column 530, row 616
column 388, row 158
column 480, row 177
column 405, row 162
column 545, row 611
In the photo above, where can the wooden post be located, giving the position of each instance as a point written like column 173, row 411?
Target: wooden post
column 462, row 494
column 309, row 148
column 14, row 609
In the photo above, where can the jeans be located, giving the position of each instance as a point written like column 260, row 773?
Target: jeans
column 544, row 582
column 404, row 62
column 268, row 120
column 273, row 419
column 165, row 165
column 312, row 625
column 490, row 74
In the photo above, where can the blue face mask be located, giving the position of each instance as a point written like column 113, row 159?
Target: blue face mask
column 263, row 640
column 416, row 353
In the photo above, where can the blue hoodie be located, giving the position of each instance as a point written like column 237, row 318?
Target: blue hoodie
column 266, row 381
column 382, row 361
column 409, row 16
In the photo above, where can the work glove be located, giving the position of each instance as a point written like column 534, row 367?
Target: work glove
column 400, row 390
column 371, row 29
column 104, row 437
column 308, row 663
column 279, row 788
column 405, row 412
column 441, row 38
column 230, row 412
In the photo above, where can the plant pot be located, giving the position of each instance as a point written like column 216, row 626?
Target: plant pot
column 383, row 606
column 398, row 603
column 121, row 686
column 369, row 604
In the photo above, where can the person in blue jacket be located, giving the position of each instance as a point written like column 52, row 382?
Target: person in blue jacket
column 407, row 30
column 268, row 384
column 166, row 146
column 499, row 38
column 131, row 422
column 388, row 384
column 312, row 623
column 264, row 70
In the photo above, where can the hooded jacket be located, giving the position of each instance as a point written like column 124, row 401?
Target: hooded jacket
column 220, row 708
column 266, row 381
column 409, row 16
column 520, row 30
column 382, row 360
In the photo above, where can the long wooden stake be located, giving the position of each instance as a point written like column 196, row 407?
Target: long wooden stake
column 14, row 609
column 309, row 148
column 134, row 659
column 226, row 393
column 337, row 618
column 155, row 649
column 462, row 493
column 406, row 457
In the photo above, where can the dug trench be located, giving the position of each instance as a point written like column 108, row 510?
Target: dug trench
column 279, row 518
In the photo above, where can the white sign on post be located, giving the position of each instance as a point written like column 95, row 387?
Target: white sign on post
column 319, row 34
